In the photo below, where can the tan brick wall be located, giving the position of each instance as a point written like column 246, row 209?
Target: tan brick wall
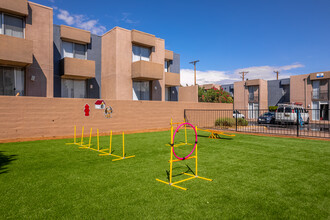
column 35, row 117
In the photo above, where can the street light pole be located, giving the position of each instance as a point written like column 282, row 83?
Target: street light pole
column 194, row 62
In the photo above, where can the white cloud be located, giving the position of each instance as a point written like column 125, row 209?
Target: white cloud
column 126, row 18
column 204, row 77
column 81, row 21
column 225, row 77
column 267, row 72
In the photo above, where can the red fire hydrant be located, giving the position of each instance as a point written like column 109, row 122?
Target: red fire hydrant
column 86, row 110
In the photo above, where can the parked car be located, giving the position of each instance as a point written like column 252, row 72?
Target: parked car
column 267, row 118
column 287, row 114
column 239, row 115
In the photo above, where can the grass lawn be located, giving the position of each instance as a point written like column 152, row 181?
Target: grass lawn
column 254, row 177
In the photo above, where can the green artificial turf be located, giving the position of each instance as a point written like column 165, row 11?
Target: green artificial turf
column 254, row 177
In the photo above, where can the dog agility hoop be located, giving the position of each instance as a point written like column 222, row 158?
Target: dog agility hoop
column 177, row 129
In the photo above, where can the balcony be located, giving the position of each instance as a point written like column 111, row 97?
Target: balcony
column 145, row 70
column 253, row 98
column 172, row 79
column 77, row 68
column 15, row 51
column 321, row 95
column 141, row 38
column 18, row 7
column 75, row 35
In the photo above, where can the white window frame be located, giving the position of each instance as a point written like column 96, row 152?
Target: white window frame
column 140, row 55
column 73, row 49
column 15, row 78
column 167, row 65
column 2, row 24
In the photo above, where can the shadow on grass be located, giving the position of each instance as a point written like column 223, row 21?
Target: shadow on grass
column 4, row 161
column 189, row 170
column 221, row 137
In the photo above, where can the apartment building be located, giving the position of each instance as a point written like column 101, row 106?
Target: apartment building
column 39, row 58
column 210, row 86
column 251, row 95
column 228, row 88
column 278, row 91
column 77, row 63
column 136, row 66
column 310, row 90
column 26, row 54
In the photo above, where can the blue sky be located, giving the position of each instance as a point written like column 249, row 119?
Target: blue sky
column 227, row 36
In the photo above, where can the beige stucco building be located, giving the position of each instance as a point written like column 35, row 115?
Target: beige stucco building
column 26, row 54
column 39, row 58
column 251, row 95
column 312, row 91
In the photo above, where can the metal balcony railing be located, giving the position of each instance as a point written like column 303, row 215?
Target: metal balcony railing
column 253, row 98
column 320, row 95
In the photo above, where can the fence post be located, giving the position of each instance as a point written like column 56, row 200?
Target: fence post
column 236, row 119
column 297, row 123
column 184, row 115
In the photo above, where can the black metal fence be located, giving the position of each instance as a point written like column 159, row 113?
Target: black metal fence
column 301, row 122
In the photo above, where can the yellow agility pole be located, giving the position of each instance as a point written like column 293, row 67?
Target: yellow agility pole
column 110, row 147
column 82, row 137
column 97, row 142
column 171, row 162
column 89, row 142
column 185, row 130
column 170, row 183
column 123, row 157
column 74, row 137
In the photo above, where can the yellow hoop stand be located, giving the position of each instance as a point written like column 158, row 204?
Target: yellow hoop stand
column 74, row 138
column 170, row 183
column 114, row 155
column 216, row 134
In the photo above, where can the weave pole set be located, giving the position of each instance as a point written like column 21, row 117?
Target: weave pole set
column 171, row 161
column 103, row 152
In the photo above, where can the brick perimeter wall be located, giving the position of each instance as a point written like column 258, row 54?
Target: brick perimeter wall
column 37, row 117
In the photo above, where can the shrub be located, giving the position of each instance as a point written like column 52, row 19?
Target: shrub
column 214, row 95
column 242, row 122
column 230, row 122
column 272, row 108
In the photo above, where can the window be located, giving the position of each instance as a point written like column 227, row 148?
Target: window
column 141, row 90
column 11, row 25
column 74, row 50
column 73, row 88
column 167, row 65
column 168, row 94
column 140, row 53
column 11, row 81
column 316, row 89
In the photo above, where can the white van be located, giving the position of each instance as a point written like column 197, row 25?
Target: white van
column 287, row 113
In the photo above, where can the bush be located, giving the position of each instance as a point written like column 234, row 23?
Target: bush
column 272, row 108
column 214, row 95
column 242, row 122
column 230, row 122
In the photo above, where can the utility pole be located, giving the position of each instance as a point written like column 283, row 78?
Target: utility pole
column 277, row 73
column 243, row 74
column 194, row 62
